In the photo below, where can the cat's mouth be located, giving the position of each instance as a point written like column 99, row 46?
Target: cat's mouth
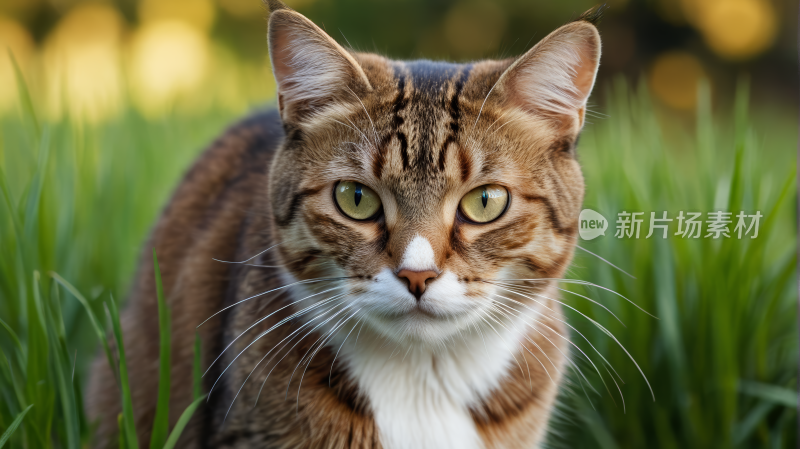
column 422, row 309
column 424, row 322
column 427, row 310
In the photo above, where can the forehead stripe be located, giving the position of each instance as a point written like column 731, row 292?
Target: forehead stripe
column 399, row 104
column 455, row 116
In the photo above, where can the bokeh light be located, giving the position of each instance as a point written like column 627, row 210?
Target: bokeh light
column 739, row 29
column 16, row 39
column 734, row 29
column 169, row 60
column 82, row 56
column 197, row 13
column 674, row 77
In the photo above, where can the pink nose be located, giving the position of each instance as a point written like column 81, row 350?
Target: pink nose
column 417, row 280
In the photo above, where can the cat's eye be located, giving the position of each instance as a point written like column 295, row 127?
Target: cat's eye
column 485, row 203
column 356, row 200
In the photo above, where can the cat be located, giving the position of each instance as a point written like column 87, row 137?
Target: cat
column 372, row 262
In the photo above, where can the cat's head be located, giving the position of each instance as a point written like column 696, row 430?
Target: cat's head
column 423, row 185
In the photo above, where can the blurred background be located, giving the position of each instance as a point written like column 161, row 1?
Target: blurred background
column 85, row 56
column 695, row 108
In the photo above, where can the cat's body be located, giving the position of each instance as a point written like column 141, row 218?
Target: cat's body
column 412, row 328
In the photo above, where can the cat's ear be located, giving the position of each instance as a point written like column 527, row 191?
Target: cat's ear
column 554, row 78
column 310, row 68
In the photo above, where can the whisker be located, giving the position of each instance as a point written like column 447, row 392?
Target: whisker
column 493, row 123
column 603, row 329
column 565, row 338
column 290, row 350
column 495, row 303
column 518, row 314
column 527, row 366
column 480, row 111
column 363, row 135
column 579, row 282
column 282, row 322
column 596, row 113
column 330, row 374
column 621, row 396
column 574, row 293
column 264, row 357
column 572, row 364
column 366, row 112
column 331, row 334
column 406, row 354
column 604, row 260
column 349, row 126
column 501, row 339
column 252, row 264
column 248, row 260
column 312, row 345
column 359, row 333
column 302, row 282
column 261, row 320
column 506, row 123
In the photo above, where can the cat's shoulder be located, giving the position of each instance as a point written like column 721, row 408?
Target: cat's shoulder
column 253, row 137
column 243, row 150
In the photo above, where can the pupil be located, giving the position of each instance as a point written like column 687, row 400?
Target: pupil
column 358, row 194
column 484, row 198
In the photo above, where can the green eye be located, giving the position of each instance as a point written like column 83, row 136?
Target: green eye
column 356, row 200
column 485, row 203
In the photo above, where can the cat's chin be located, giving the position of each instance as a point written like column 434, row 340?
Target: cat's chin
column 420, row 326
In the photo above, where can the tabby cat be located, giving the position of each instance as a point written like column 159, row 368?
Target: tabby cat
column 372, row 262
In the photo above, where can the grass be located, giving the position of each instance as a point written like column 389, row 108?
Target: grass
column 67, row 215
column 722, row 355
column 77, row 199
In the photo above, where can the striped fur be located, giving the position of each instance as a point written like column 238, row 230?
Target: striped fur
column 320, row 344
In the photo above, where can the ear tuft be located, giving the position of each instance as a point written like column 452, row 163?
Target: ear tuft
column 275, row 5
column 593, row 15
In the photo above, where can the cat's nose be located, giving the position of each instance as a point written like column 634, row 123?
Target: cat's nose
column 417, row 280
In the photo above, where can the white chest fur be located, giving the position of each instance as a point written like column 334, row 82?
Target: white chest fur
column 420, row 398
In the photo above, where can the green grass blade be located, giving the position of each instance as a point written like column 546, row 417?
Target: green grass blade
column 13, row 427
column 161, row 420
column 182, row 422
column 34, row 199
column 12, row 334
column 60, row 367
column 197, row 367
column 101, row 335
column 16, row 391
column 745, row 427
column 40, row 389
column 25, row 93
column 129, row 426
column 10, row 211
column 773, row 393
column 121, row 436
